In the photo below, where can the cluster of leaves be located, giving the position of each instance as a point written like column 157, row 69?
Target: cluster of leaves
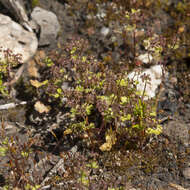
column 146, row 15
column 102, row 101
column 7, row 63
column 18, row 157
column 88, row 175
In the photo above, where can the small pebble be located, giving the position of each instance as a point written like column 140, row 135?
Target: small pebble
column 186, row 173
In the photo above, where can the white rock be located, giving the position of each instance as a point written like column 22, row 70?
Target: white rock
column 104, row 31
column 101, row 14
column 14, row 37
column 145, row 58
column 11, row 105
column 155, row 73
column 48, row 23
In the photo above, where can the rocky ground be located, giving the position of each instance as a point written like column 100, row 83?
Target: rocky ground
column 63, row 161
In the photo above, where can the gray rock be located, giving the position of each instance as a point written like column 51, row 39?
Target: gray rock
column 48, row 23
column 186, row 173
column 177, row 130
column 14, row 37
column 17, row 10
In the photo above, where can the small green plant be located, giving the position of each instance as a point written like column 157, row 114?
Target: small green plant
column 100, row 99
column 103, row 103
column 7, row 63
column 84, row 179
column 3, row 90
column 35, row 3
column 109, row 188
column 19, row 158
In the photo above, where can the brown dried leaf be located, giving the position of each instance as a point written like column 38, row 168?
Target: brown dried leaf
column 32, row 69
column 38, row 84
column 67, row 131
column 110, row 141
column 41, row 108
column 181, row 29
column 39, row 57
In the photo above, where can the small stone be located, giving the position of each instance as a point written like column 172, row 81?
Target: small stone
column 145, row 58
column 177, row 130
column 48, row 23
column 186, row 173
column 155, row 75
column 74, row 149
column 173, row 80
column 104, row 31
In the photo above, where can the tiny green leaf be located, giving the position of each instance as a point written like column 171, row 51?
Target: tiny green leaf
column 3, row 151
